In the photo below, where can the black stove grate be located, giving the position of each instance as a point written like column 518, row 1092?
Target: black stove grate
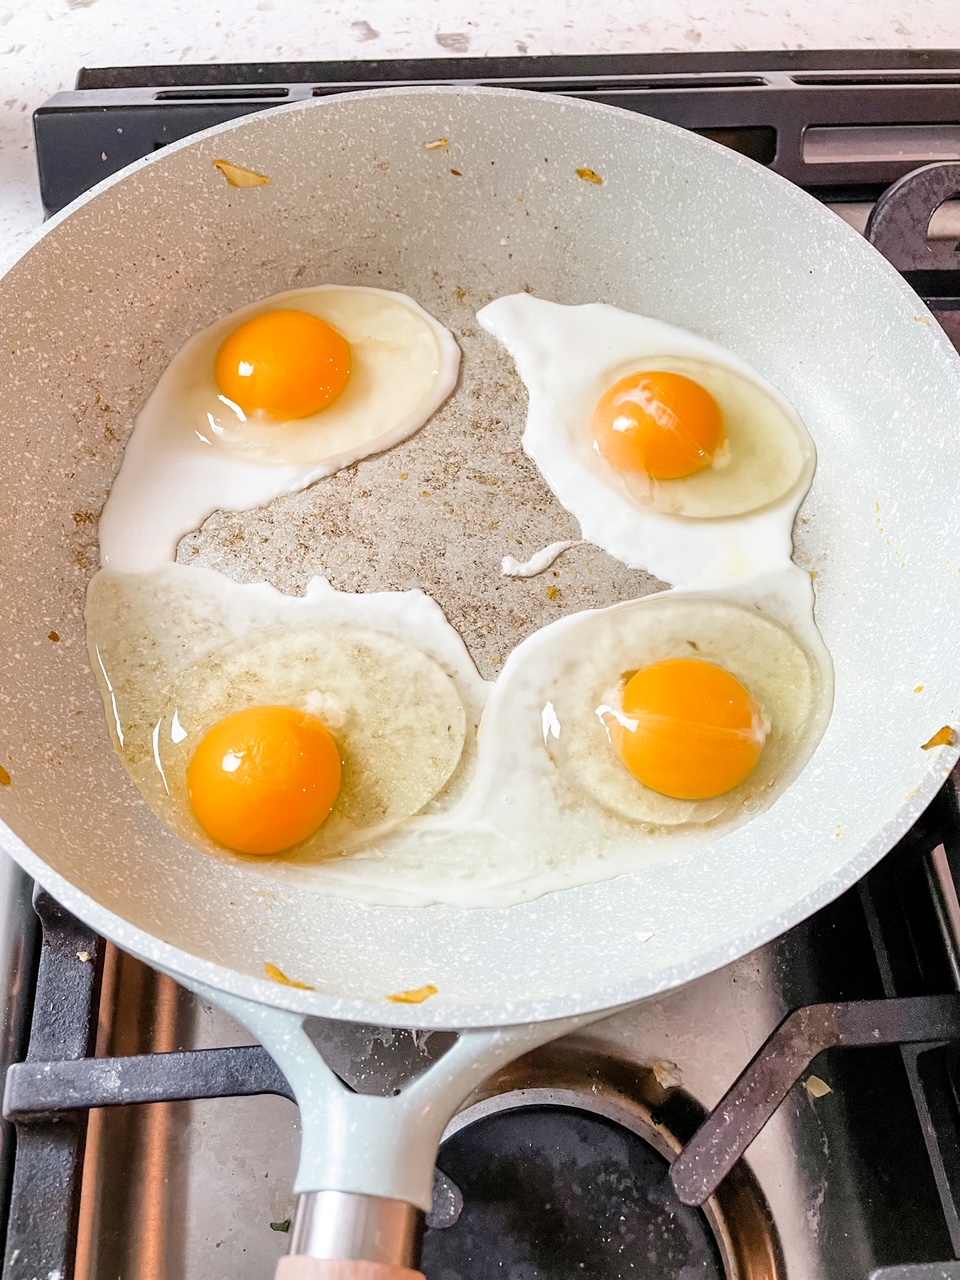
column 49, row 1095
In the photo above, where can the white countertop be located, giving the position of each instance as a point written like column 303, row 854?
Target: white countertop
column 44, row 42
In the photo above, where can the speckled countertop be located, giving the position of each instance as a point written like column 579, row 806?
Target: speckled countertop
column 44, row 42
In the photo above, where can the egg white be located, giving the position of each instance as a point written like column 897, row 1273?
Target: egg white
column 530, row 822
column 192, row 452
column 178, row 649
column 789, row 681
column 473, row 799
column 729, row 521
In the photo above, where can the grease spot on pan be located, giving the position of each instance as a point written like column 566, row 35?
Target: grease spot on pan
column 277, row 975
column 238, row 176
column 416, row 996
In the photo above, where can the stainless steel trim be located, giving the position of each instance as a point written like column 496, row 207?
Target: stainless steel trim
column 872, row 143
column 343, row 1224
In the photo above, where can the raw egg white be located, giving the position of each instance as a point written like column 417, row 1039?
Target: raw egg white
column 432, row 808
column 547, row 768
column 194, row 451
column 179, row 649
column 551, row 803
column 787, row 677
column 731, row 519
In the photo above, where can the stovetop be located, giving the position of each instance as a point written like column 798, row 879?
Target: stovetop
column 844, row 125
column 561, row 1161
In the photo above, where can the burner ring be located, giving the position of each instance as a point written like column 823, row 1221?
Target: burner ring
column 565, row 1078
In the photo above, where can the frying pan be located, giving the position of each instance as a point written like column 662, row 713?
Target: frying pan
column 678, row 228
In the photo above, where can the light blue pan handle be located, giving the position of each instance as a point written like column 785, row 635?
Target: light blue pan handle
column 367, row 1163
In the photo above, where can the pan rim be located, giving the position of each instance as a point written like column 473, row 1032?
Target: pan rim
column 437, row 1014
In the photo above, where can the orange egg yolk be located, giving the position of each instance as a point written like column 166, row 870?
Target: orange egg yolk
column 289, row 364
column 660, row 424
column 689, row 729
column 264, row 779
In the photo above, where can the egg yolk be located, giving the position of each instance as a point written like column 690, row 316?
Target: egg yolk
column 264, row 779
column 689, row 729
column 661, row 424
column 289, row 364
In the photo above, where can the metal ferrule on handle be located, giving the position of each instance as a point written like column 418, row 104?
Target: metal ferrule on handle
column 343, row 1224
column 298, row 1266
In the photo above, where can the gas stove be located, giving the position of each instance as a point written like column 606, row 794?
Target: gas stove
column 154, row 1142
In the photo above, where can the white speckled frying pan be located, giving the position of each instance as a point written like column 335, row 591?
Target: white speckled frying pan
column 680, row 229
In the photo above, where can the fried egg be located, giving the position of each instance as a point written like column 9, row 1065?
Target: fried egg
column 672, row 453
column 785, row 680
column 268, row 400
column 179, row 652
column 554, row 710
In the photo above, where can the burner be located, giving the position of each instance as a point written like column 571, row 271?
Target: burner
column 553, row 1193
column 563, row 1164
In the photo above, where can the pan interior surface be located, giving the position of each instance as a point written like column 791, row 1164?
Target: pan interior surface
column 679, row 229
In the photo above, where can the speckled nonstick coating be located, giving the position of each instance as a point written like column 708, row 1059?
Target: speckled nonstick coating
column 680, row 229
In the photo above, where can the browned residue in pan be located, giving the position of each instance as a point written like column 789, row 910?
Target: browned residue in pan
column 4, row 777
column 277, row 975
column 417, row 996
column 238, row 176
column 437, row 144
column 590, row 175
column 369, row 528
column 945, row 737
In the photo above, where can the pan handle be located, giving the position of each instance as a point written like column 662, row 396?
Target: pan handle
column 297, row 1266
column 365, row 1179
